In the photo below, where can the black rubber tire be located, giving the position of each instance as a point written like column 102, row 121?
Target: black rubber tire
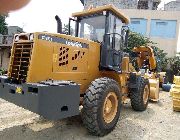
column 92, row 112
column 136, row 95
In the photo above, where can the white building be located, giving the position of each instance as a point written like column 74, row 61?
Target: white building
column 124, row 4
column 172, row 6
column 6, row 44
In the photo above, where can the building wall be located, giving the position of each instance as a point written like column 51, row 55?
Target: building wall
column 5, row 45
column 148, row 4
column 125, row 4
column 4, row 58
column 178, row 43
column 162, row 27
column 122, row 4
column 14, row 30
column 172, row 6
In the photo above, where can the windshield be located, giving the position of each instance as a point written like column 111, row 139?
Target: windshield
column 92, row 28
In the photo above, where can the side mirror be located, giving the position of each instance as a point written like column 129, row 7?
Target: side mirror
column 126, row 38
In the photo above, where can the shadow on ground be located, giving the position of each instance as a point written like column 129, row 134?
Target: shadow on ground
column 72, row 129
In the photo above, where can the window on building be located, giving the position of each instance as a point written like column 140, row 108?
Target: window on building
column 163, row 28
column 161, row 23
column 138, row 25
column 135, row 22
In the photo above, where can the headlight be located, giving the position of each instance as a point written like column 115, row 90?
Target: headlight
column 31, row 37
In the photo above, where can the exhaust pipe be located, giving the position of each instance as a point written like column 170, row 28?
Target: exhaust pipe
column 59, row 24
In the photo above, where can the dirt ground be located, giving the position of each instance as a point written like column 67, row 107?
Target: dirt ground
column 157, row 122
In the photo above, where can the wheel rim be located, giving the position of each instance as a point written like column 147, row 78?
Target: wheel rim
column 146, row 94
column 110, row 107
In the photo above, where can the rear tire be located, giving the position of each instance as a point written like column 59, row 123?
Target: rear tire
column 101, row 106
column 140, row 96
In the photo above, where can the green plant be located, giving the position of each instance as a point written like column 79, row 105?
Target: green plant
column 136, row 40
column 3, row 25
column 65, row 29
column 174, row 63
column 161, row 59
column 2, row 71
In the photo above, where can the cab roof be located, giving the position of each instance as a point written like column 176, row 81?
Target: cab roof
column 99, row 9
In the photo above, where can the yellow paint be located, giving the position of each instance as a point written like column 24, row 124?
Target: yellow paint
column 177, row 80
column 161, row 76
column 99, row 9
column 45, row 63
column 110, row 107
column 19, row 90
column 145, row 53
column 154, row 89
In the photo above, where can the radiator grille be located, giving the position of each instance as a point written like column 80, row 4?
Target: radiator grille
column 20, row 61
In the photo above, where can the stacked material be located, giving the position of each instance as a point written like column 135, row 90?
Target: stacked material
column 172, row 90
column 176, row 94
column 177, row 80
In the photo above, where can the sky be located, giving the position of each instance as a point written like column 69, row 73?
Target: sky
column 39, row 15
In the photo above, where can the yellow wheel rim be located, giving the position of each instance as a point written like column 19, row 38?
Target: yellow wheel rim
column 110, row 107
column 146, row 94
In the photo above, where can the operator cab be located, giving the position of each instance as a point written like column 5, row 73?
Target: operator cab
column 107, row 26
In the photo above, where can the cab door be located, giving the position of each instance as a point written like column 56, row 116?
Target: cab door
column 112, row 46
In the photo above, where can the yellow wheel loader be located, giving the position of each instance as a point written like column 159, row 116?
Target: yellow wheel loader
column 54, row 74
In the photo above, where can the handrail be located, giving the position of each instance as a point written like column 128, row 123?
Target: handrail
column 113, row 34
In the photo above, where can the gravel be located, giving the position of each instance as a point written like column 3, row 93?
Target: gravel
column 157, row 122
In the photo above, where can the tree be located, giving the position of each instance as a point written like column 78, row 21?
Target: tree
column 3, row 25
column 65, row 29
column 136, row 40
column 174, row 63
column 161, row 58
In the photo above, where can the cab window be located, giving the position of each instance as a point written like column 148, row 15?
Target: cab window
column 92, row 28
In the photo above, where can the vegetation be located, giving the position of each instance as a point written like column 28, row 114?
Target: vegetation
column 3, row 25
column 2, row 71
column 136, row 40
column 65, row 30
column 174, row 63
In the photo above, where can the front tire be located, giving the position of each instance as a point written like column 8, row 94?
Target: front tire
column 101, row 106
column 140, row 96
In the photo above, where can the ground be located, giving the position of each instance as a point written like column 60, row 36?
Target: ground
column 157, row 122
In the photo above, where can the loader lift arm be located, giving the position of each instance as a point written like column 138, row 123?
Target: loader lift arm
column 145, row 56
